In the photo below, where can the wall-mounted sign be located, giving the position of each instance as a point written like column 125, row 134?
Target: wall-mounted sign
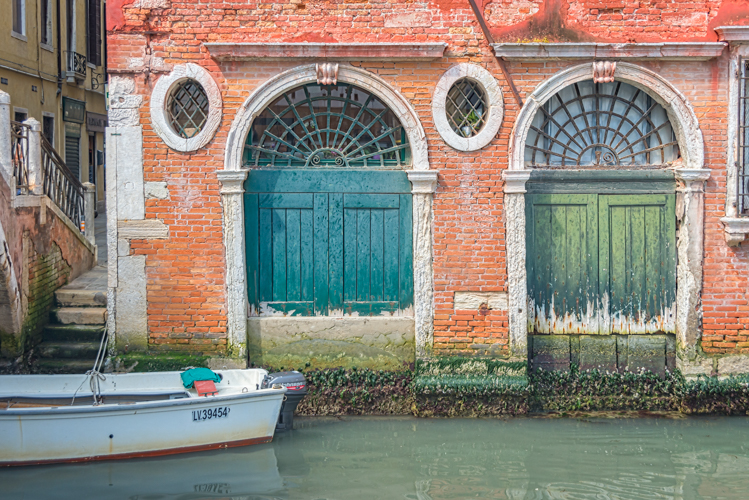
column 96, row 122
column 73, row 110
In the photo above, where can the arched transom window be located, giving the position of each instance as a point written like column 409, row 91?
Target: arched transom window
column 601, row 125
column 327, row 126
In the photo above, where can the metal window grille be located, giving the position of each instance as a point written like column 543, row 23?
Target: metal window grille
column 742, row 197
column 327, row 126
column 465, row 107
column 187, row 108
column 601, row 125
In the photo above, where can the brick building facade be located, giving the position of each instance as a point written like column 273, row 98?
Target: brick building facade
column 192, row 206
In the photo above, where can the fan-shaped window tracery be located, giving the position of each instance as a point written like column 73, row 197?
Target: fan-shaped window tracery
column 327, row 126
column 600, row 125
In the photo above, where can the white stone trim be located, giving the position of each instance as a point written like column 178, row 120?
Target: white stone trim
column 733, row 34
column 735, row 228
column 233, row 176
column 146, row 229
column 160, row 94
column 495, row 106
column 690, row 243
column 663, row 51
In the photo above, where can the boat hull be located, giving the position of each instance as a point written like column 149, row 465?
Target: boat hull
column 78, row 434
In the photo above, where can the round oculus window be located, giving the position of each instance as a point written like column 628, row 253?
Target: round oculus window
column 187, row 108
column 466, row 107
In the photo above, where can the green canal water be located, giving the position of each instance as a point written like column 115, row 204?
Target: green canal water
column 422, row 459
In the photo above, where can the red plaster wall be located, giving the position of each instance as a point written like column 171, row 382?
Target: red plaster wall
column 186, row 289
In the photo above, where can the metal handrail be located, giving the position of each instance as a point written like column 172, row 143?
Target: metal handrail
column 60, row 185
column 20, row 154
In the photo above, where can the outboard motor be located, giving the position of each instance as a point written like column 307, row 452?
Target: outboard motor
column 296, row 389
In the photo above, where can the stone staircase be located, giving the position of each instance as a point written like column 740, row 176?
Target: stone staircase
column 71, row 340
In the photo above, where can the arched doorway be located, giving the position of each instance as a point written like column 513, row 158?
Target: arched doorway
column 328, row 206
column 595, row 173
column 388, row 161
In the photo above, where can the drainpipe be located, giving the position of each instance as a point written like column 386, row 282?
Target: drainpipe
column 59, row 48
column 490, row 39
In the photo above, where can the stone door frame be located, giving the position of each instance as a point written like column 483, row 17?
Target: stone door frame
column 691, row 175
column 232, row 177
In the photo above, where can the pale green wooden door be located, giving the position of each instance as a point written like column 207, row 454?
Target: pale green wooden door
column 600, row 264
column 637, row 262
column 342, row 248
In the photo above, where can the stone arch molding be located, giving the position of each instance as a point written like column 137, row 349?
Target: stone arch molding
column 680, row 112
column 690, row 173
column 232, row 177
column 273, row 88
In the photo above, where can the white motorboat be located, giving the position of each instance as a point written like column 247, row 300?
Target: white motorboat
column 75, row 418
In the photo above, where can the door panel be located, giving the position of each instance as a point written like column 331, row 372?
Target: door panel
column 329, row 253
column 638, row 265
column 601, row 264
column 562, row 263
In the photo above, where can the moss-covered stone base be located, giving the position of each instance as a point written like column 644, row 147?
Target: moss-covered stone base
column 466, row 387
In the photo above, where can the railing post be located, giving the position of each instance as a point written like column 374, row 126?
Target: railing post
column 6, row 158
column 89, row 205
column 36, row 175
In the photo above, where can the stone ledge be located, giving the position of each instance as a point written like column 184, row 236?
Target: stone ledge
column 142, row 229
column 736, row 229
column 670, row 51
column 328, row 51
column 733, row 34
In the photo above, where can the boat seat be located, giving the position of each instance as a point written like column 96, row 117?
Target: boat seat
column 205, row 388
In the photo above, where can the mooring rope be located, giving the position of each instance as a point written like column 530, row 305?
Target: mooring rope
column 94, row 375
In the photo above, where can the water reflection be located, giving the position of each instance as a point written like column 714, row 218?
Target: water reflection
column 405, row 458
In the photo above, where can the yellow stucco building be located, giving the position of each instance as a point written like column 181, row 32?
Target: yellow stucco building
column 52, row 63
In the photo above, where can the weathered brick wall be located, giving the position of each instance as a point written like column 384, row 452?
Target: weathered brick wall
column 186, row 288
column 46, row 273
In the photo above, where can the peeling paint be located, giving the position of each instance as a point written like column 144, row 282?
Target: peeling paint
column 597, row 320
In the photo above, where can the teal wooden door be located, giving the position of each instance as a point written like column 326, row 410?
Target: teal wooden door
column 344, row 247
column 600, row 264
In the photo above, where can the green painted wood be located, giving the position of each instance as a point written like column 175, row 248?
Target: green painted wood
column 305, row 308
column 371, row 200
column 562, row 262
column 349, row 254
column 406, row 280
column 341, row 252
column 601, row 182
column 265, row 256
column 377, row 238
column 371, row 308
column 279, row 254
column 251, row 228
column 293, row 255
column 285, row 200
column 363, row 254
column 327, row 181
column 321, row 253
column 390, row 236
column 307, row 251
column 640, row 261
column 335, row 249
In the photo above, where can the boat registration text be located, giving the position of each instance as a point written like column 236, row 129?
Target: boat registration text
column 210, row 413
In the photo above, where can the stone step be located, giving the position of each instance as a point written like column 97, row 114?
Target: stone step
column 69, row 297
column 68, row 350
column 80, row 315
column 81, row 333
column 63, row 366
